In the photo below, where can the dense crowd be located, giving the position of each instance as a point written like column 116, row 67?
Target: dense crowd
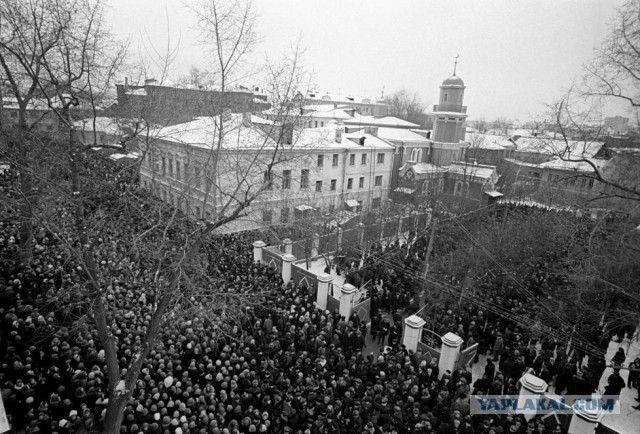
column 286, row 367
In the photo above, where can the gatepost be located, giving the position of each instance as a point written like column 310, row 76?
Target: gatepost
column 531, row 387
column 449, row 353
column 584, row 420
column 323, row 290
column 287, row 261
column 257, row 250
column 361, row 234
column 412, row 332
column 339, row 238
column 288, row 246
column 315, row 245
column 346, row 299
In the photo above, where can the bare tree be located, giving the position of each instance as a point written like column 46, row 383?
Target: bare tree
column 407, row 105
column 615, row 70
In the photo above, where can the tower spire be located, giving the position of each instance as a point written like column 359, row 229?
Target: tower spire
column 455, row 65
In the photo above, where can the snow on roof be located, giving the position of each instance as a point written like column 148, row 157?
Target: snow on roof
column 577, row 166
column 538, row 145
column 401, row 135
column 384, row 121
column 485, row 141
column 329, row 114
column 320, row 96
column 261, row 121
column 475, row 170
column 117, row 156
column 107, row 125
column 203, row 131
column 325, row 137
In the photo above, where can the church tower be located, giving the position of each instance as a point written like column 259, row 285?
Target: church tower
column 449, row 125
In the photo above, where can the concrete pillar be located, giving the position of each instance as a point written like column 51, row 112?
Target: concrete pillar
column 339, row 238
column 288, row 246
column 324, row 280
column 257, row 250
column 532, row 387
column 346, row 297
column 449, row 352
column 399, row 227
column 315, row 245
column 287, row 265
column 585, row 421
column 412, row 332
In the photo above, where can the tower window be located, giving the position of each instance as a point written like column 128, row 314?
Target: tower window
column 446, row 97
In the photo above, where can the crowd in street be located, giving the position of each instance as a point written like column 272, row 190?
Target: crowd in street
column 287, row 367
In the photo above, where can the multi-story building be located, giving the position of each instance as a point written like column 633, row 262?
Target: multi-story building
column 293, row 173
column 363, row 105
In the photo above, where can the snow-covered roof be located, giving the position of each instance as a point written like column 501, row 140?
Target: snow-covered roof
column 401, row 135
column 577, row 166
column 334, row 113
column 538, row 145
column 382, row 121
column 476, row 170
column 107, row 125
column 202, row 132
column 325, row 137
column 323, row 96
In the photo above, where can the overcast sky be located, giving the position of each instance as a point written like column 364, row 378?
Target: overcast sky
column 514, row 55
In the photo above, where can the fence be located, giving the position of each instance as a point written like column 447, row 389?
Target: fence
column 272, row 256
column 302, row 276
column 466, row 357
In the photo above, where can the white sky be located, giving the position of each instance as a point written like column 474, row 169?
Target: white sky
column 514, row 55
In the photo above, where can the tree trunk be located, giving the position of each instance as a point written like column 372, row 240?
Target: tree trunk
column 115, row 412
column 26, row 189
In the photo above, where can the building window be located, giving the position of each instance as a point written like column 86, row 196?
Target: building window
column 304, row 178
column 171, row 167
column 416, row 155
column 268, row 180
column 378, row 181
column 583, row 183
column 425, row 188
column 352, row 160
column 457, row 188
column 375, row 204
column 322, row 124
column 177, row 170
column 318, row 186
column 196, row 177
column 284, row 215
column 361, row 182
column 380, row 158
column 446, row 97
column 164, row 167
column 266, row 216
column 164, row 196
column 440, row 185
column 320, row 160
column 335, row 160
column 286, row 179
column 591, row 183
column 364, row 159
column 316, row 124
column 349, row 183
column 197, row 211
column 332, row 208
column 333, row 184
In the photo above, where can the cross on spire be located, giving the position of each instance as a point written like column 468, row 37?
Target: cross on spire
column 455, row 66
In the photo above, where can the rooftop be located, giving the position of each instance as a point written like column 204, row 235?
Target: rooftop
column 381, row 121
column 401, row 135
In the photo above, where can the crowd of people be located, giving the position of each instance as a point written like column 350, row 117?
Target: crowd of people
column 285, row 367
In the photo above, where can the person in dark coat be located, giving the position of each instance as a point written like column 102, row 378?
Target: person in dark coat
column 615, row 384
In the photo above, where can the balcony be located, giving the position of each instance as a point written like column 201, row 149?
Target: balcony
column 450, row 108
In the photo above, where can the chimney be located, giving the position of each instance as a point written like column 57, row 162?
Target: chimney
column 246, row 119
column 362, row 139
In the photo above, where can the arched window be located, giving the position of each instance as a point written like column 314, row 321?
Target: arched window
column 446, row 97
column 416, row 155
column 457, row 188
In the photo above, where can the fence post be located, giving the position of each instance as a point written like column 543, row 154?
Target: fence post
column 533, row 387
column 346, row 298
column 323, row 290
column 584, row 420
column 315, row 245
column 288, row 246
column 412, row 332
column 287, row 262
column 449, row 353
column 257, row 250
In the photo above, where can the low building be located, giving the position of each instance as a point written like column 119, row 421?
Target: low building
column 307, row 173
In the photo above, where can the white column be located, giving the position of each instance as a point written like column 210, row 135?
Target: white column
column 531, row 387
column 346, row 297
column 584, row 421
column 315, row 245
column 257, row 250
column 399, row 227
column 412, row 332
column 323, row 290
column 339, row 238
column 288, row 246
column 361, row 234
column 449, row 352
column 287, row 262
